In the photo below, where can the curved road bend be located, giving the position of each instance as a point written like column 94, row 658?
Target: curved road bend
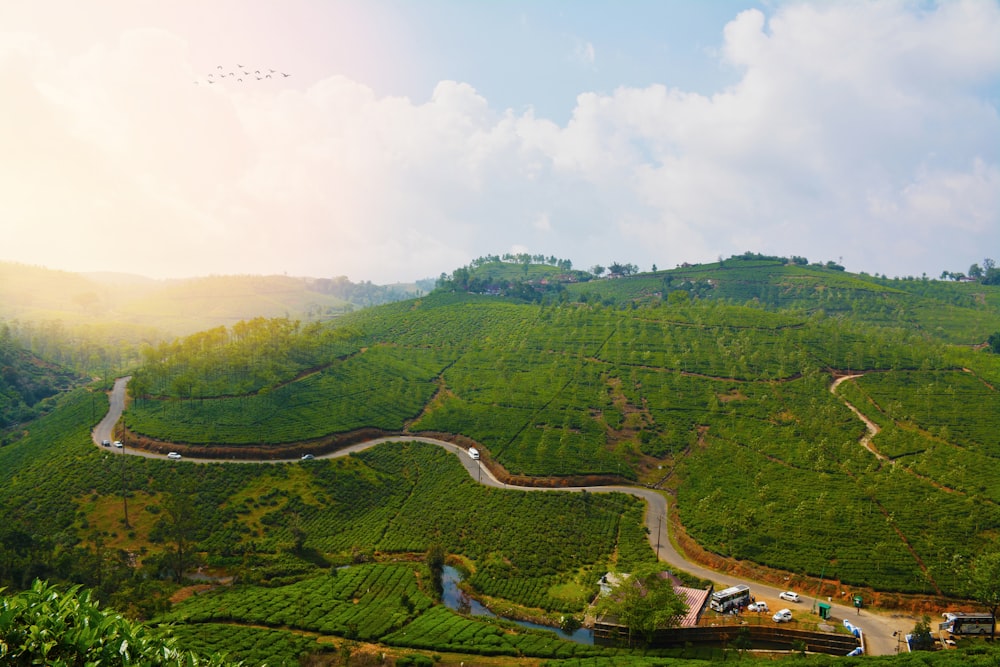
column 877, row 628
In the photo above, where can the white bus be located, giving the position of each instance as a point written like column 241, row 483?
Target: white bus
column 968, row 624
column 474, row 453
column 730, row 598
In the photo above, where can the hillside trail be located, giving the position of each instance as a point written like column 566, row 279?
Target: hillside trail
column 877, row 628
column 872, row 428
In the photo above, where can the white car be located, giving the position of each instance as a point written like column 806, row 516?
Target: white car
column 118, row 444
column 307, row 457
column 758, row 606
column 174, row 456
column 790, row 596
column 782, row 616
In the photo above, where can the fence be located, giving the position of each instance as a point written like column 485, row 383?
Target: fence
column 760, row 637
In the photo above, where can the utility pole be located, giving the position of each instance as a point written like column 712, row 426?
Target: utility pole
column 124, row 489
column 659, row 520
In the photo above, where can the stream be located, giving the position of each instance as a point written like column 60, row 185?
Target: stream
column 452, row 598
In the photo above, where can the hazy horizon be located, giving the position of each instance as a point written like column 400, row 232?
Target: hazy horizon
column 409, row 138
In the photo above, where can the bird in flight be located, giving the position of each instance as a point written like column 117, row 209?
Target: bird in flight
column 239, row 74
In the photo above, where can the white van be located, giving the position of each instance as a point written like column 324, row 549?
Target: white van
column 474, row 453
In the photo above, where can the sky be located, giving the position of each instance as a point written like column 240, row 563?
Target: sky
column 411, row 137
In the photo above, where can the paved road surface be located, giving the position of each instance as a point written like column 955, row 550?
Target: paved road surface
column 877, row 627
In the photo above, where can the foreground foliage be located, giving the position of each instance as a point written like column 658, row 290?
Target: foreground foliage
column 46, row 625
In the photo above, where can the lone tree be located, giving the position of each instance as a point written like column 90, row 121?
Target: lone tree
column 435, row 563
column 643, row 603
column 994, row 342
column 982, row 579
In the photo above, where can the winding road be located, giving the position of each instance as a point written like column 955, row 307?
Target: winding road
column 877, row 628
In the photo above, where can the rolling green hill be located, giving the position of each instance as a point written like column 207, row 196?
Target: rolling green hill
column 714, row 383
column 97, row 323
column 725, row 392
column 176, row 307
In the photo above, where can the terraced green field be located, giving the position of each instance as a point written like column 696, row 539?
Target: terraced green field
column 732, row 398
column 721, row 396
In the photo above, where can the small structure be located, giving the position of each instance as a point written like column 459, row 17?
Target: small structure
column 696, row 600
column 610, row 581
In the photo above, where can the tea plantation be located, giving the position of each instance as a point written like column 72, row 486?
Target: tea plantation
column 711, row 383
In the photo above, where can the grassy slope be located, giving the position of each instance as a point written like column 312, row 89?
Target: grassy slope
column 745, row 481
column 595, row 389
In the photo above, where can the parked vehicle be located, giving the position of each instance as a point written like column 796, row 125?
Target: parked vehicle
column 967, row 624
column 174, row 456
column 758, row 606
column 734, row 597
column 782, row 616
column 790, row 596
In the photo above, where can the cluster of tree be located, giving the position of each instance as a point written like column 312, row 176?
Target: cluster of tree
column 26, row 381
column 240, row 359
column 87, row 348
column 364, row 293
column 490, row 274
column 523, row 258
column 110, row 574
column 644, row 602
column 616, row 269
column 463, row 280
column 987, row 274
column 794, row 259
column 994, row 342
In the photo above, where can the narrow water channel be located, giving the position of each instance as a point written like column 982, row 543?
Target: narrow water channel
column 452, row 598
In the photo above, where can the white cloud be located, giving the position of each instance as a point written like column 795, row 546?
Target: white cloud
column 855, row 130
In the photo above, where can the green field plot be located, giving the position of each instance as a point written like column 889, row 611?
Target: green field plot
column 364, row 602
column 380, row 388
column 253, row 646
column 440, row 629
column 527, row 541
column 956, row 407
column 803, row 508
column 404, row 498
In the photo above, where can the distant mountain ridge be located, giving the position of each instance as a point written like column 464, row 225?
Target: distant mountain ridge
column 179, row 306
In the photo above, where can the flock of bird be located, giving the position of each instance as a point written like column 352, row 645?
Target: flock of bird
column 241, row 73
